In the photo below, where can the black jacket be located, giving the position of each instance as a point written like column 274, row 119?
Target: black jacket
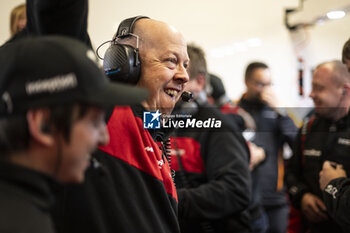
column 128, row 191
column 56, row 17
column 26, row 197
column 318, row 140
column 212, row 179
column 272, row 131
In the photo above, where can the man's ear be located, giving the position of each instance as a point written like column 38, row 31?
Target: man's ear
column 346, row 89
column 201, row 80
column 39, row 128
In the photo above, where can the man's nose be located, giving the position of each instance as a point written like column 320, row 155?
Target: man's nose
column 181, row 74
column 312, row 94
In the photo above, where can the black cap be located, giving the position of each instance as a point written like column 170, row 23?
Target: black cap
column 217, row 86
column 42, row 71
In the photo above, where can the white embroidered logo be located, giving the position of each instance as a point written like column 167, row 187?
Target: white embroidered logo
column 344, row 141
column 148, row 148
column 331, row 190
column 312, row 152
column 55, row 84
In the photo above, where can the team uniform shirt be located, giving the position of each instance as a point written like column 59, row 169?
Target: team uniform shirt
column 130, row 189
column 318, row 140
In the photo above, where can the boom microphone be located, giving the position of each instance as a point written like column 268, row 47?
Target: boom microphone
column 186, row 96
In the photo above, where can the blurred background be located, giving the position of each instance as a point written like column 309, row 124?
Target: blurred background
column 289, row 35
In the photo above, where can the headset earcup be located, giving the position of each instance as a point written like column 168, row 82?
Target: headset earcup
column 45, row 128
column 121, row 63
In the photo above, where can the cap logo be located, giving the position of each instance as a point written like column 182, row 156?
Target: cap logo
column 55, row 84
column 124, row 32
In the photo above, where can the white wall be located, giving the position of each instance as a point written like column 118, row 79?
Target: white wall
column 222, row 27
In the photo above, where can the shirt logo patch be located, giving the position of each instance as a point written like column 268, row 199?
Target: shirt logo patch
column 344, row 141
column 151, row 120
column 332, row 191
column 312, row 152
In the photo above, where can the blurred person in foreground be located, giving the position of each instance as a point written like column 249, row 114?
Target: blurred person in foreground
column 51, row 121
column 126, row 190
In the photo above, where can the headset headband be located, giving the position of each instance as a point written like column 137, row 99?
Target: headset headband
column 126, row 27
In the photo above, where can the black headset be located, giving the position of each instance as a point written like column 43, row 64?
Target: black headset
column 45, row 128
column 121, row 62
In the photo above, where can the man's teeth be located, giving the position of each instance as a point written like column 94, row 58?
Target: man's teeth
column 171, row 92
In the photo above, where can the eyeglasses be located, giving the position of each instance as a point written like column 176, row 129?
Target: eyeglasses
column 261, row 84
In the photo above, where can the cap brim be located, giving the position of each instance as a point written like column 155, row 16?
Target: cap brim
column 119, row 94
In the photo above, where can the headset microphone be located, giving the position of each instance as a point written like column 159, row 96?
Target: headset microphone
column 186, row 96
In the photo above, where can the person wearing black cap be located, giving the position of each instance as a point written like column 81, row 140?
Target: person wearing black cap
column 217, row 93
column 52, row 101
column 242, row 118
column 247, row 126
